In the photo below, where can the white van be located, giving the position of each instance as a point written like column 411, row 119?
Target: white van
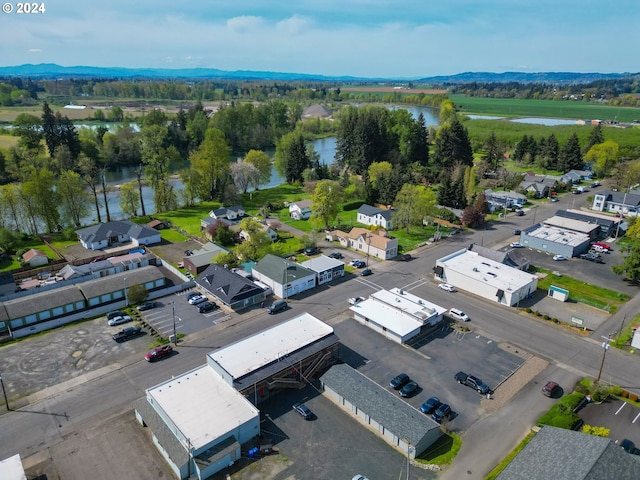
column 459, row 315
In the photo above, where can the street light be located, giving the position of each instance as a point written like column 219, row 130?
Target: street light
column 409, row 450
column 368, row 247
column 605, row 347
column 4, row 392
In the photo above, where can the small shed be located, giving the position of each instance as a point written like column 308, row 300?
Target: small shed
column 35, row 258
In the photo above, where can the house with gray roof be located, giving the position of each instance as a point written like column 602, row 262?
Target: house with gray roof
column 227, row 215
column 626, row 203
column 393, row 419
column 538, row 185
column 502, row 199
column 568, row 455
column 203, row 257
column 231, row 289
column 285, row 278
column 300, row 210
column 375, row 216
column 104, row 235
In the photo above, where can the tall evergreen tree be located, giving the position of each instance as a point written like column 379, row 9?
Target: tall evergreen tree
column 50, row 128
column 595, row 136
column 453, row 146
column 570, row 156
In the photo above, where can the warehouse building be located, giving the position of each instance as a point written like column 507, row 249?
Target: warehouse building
column 555, row 241
column 592, row 229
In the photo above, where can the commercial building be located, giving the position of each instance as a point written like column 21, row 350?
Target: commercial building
column 199, row 420
column 396, row 314
column 555, row 241
column 327, row 269
column 591, row 229
column 610, row 226
column 394, row 420
column 285, row 278
column 468, row 271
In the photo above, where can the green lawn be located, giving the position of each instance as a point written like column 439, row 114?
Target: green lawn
column 187, row 219
column 582, row 292
column 514, row 107
column 8, row 141
column 443, row 451
column 172, row 236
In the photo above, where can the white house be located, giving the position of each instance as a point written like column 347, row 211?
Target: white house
column 626, row 203
column 375, row 216
column 300, row 210
column 104, row 235
column 376, row 244
column 285, row 278
column 271, row 233
column 235, row 212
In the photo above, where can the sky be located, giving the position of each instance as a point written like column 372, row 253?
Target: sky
column 363, row 38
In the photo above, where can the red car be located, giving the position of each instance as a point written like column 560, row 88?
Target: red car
column 158, row 352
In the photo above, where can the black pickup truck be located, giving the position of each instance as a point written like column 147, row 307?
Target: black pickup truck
column 126, row 334
column 473, row 382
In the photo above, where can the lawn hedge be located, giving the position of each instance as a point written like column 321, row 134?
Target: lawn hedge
column 561, row 414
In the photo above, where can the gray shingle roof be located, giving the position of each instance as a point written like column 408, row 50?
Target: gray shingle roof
column 104, row 231
column 229, row 287
column 558, row 454
column 368, row 210
column 631, row 198
column 383, row 406
column 603, row 222
column 111, row 283
column 37, row 302
column 273, row 268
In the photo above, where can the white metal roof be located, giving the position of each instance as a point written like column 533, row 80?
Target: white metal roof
column 202, row 405
column 252, row 353
column 472, row 265
column 397, row 310
column 322, row 263
column 11, row 468
column 558, row 235
column 571, row 224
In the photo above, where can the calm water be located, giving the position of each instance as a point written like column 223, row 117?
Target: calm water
column 325, row 147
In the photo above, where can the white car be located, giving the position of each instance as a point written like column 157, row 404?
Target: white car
column 355, row 300
column 447, row 287
column 516, row 245
column 197, row 299
column 120, row 319
column 459, row 315
column 559, row 258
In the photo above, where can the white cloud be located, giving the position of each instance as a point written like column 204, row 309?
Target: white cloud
column 245, row 24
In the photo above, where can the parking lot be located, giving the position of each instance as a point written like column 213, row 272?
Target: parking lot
column 432, row 364
column 621, row 418
column 187, row 317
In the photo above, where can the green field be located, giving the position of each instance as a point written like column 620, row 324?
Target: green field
column 513, row 107
column 8, row 141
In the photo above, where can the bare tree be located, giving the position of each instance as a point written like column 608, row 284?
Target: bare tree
column 244, row 174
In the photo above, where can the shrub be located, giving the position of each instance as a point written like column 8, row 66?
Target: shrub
column 596, row 431
column 561, row 414
column 624, row 394
column 555, row 320
column 616, row 390
column 528, row 310
column 633, row 397
column 538, row 314
column 599, row 394
column 546, row 317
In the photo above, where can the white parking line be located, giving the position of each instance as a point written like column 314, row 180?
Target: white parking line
column 637, row 416
column 408, row 286
column 621, row 407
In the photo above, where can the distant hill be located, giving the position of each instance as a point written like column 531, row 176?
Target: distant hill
column 523, row 77
column 51, row 70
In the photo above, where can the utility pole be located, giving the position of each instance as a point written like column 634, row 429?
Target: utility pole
column 605, row 347
column 126, row 298
column 175, row 336
column 4, row 392
column 368, row 247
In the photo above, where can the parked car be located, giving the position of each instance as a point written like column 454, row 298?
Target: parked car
column 359, row 477
column 188, row 253
column 190, row 295
column 554, row 199
column 516, row 245
column 629, row 447
column 517, row 232
column 119, row 320
column 356, row 300
column 158, row 353
column 431, row 405
column 357, row 263
column 405, row 257
column 302, row 409
column 336, row 255
column 447, row 287
column 146, row 306
column 311, row 251
column 592, row 257
column 603, row 245
column 473, row 382
column 399, row 381
column 197, row 300
column 366, row 272
column 126, row 334
column 409, row 389
column 594, row 184
column 207, row 307
column 115, row 313
column 519, row 212
column 458, row 314
column 559, row 258
column 276, row 307
column 551, row 389
column 442, row 412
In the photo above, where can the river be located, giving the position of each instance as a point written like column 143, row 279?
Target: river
column 325, row 147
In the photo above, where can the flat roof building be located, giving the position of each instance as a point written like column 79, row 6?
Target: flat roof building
column 575, row 225
column 468, row 271
column 555, row 240
column 397, row 314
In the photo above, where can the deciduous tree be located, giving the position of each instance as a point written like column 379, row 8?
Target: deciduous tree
column 262, row 162
column 129, row 199
column 325, row 203
column 211, row 164
column 605, row 155
column 74, row 205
